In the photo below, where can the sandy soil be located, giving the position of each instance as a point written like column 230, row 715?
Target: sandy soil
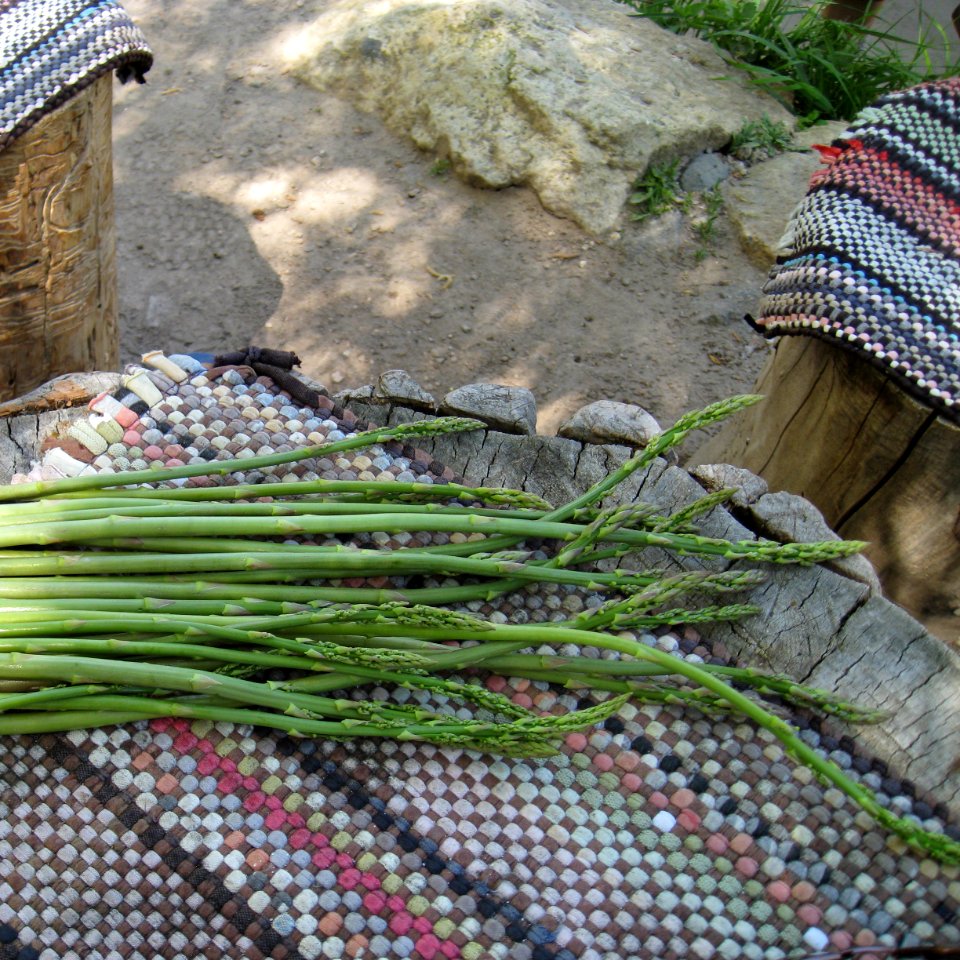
column 253, row 209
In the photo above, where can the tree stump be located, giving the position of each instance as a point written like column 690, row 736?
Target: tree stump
column 879, row 465
column 58, row 290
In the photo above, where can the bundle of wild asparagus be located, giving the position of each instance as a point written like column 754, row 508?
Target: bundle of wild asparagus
column 194, row 602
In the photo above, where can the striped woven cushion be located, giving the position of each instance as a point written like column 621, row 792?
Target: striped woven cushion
column 870, row 258
column 51, row 49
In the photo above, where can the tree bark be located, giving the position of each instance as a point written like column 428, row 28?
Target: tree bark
column 879, row 465
column 58, row 287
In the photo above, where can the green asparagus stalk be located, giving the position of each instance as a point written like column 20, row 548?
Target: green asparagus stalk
column 134, row 529
column 379, row 491
column 94, row 662
column 400, row 432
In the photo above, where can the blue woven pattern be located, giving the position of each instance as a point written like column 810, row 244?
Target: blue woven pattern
column 51, row 49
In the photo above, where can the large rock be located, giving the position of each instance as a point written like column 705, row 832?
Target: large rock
column 572, row 97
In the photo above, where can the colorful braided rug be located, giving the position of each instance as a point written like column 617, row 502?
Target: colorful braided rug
column 871, row 258
column 662, row 834
column 50, row 50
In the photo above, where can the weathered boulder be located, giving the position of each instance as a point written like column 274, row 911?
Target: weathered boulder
column 571, row 97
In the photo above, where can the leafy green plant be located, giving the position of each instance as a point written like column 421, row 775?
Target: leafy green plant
column 657, row 190
column 760, row 138
column 822, row 69
column 440, row 167
column 706, row 228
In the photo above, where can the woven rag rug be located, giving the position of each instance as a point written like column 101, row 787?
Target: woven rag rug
column 664, row 833
column 871, row 258
column 50, row 50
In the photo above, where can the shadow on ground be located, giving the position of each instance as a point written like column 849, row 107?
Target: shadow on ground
column 252, row 208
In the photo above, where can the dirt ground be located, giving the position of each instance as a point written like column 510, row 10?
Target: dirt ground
column 253, row 209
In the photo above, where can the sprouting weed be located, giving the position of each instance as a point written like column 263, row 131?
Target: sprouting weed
column 657, row 190
column 760, row 139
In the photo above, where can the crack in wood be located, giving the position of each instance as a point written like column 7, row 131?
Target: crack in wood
column 796, row 413
column 891, row 471
column 827, row 653
column 854, row 437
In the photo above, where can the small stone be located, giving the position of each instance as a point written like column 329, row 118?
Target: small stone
column 508, row 409
column 704, row 172
column 355, row 393
column 720, row 476
column 609, row 421
column 399, row 385
column 788, row 517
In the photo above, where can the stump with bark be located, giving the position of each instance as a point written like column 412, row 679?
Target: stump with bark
column 881, row 466
column 58, row 288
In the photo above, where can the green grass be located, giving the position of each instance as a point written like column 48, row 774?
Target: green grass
column 760, row 138
column 820, row 69
column 657, row 191
column 706, row 228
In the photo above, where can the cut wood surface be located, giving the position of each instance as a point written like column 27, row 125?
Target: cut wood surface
column 879, row 465
column 816, row 624
column 70, row 390
column 58, row 288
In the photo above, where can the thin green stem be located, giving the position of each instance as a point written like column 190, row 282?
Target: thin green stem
column 104, row 510
column 403, row 431
column 135, row 530
column 239, row 588
column 383, row 490
column 81, row 670
column 31, row 699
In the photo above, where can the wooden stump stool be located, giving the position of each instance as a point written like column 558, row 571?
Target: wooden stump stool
column 58, row 300
column 863, row 391
column 880, row 466
column 58, row 286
